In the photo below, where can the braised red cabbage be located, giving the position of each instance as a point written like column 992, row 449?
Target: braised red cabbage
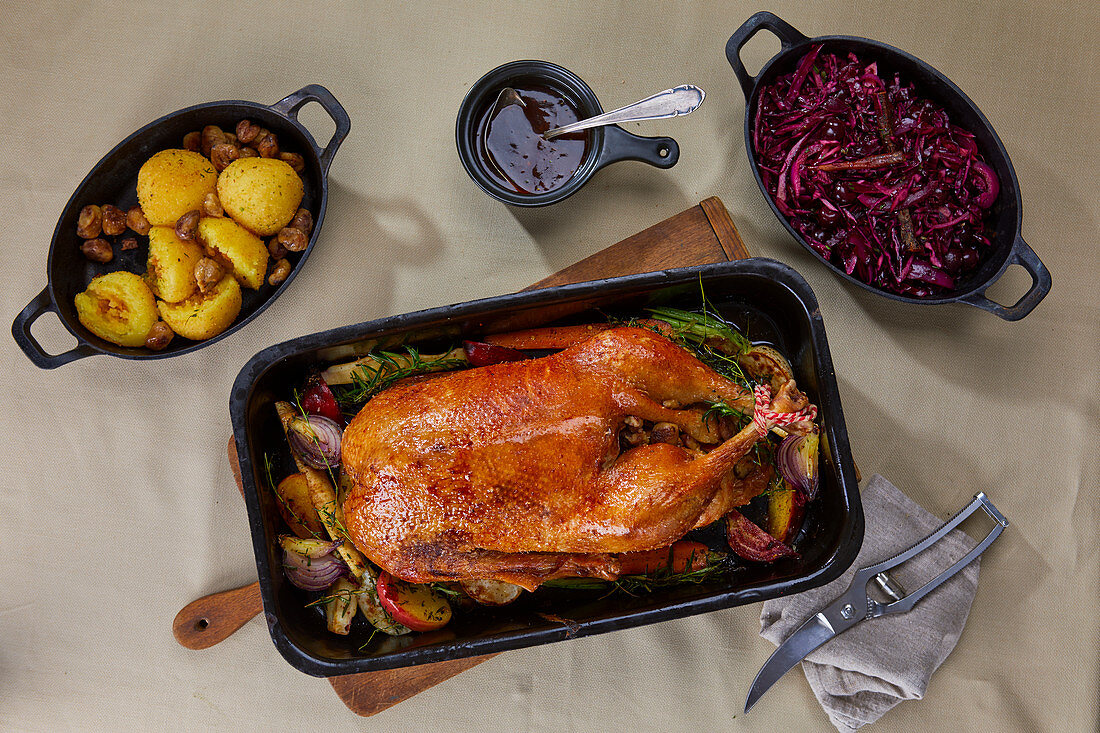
column 875, row 178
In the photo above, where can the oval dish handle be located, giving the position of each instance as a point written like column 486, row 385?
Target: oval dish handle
column 783, row 30
column 21, row 331
column 1025, row 257
column 289, row 106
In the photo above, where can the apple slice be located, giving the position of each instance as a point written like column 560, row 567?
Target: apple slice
column 416, row 606
column 752, row 543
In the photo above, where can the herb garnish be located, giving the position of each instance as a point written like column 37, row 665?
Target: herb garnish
column 348, row 596
column 367, row 381
column 638, row 584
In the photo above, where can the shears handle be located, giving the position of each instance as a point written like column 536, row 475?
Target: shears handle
column 906, row 603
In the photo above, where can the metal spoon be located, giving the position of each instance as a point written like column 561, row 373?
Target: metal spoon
column 681, row 100
column 507, row 96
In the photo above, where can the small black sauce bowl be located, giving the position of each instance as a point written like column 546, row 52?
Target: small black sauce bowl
column 606, row 145
column 1005, row 217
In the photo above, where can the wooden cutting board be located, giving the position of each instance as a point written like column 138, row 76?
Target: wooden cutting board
column 700, row 235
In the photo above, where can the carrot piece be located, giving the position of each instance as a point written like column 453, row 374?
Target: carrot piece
column 550, row 337
column 682, row 557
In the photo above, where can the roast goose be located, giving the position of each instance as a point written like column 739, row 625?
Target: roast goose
column 514, row 471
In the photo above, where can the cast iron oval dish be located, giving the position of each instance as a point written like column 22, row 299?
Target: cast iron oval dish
column 113, row 181
column 767, row 298
column 1008, row 246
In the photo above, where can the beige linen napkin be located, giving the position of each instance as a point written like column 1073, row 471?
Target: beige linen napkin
column 873, row 666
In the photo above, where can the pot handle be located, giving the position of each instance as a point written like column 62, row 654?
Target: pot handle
column 289, row 106
column 21, row 331
column 662, row 152
column 783, row 30
column 1025, row 257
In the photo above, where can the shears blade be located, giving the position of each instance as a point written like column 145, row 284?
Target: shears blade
column 814, row 632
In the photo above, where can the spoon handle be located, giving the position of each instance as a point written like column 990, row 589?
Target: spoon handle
column 674, row 102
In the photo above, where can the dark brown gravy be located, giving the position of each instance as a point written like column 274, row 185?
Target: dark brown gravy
column 513, row 137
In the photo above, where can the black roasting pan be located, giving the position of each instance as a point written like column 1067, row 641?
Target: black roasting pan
column 766, row 298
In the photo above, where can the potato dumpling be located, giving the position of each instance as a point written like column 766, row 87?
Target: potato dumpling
column 173, row 182
column 261, row 194
column 246, row 252
column 204, row 315
column 171, row 267
column 118, row 307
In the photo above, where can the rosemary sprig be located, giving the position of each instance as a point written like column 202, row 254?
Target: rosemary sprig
column 721, row 409
column 366, row 643
column 367, row 382
column 634, row 584
column 726, row 365
column 334, row 520
column 778, row 485
column 269, row 474
column 348, row 596
column 443, row 589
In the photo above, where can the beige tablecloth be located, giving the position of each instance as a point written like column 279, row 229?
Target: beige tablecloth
column 117, row 506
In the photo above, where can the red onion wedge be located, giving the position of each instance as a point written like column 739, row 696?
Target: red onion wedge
column 797, row 462
column 752, row 543
column 313, row 573
column 316, row 440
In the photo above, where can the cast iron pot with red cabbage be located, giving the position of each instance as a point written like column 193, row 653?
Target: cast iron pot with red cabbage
column 1002, row 219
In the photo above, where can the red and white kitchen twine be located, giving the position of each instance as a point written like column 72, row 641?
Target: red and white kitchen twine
column 765, row 419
